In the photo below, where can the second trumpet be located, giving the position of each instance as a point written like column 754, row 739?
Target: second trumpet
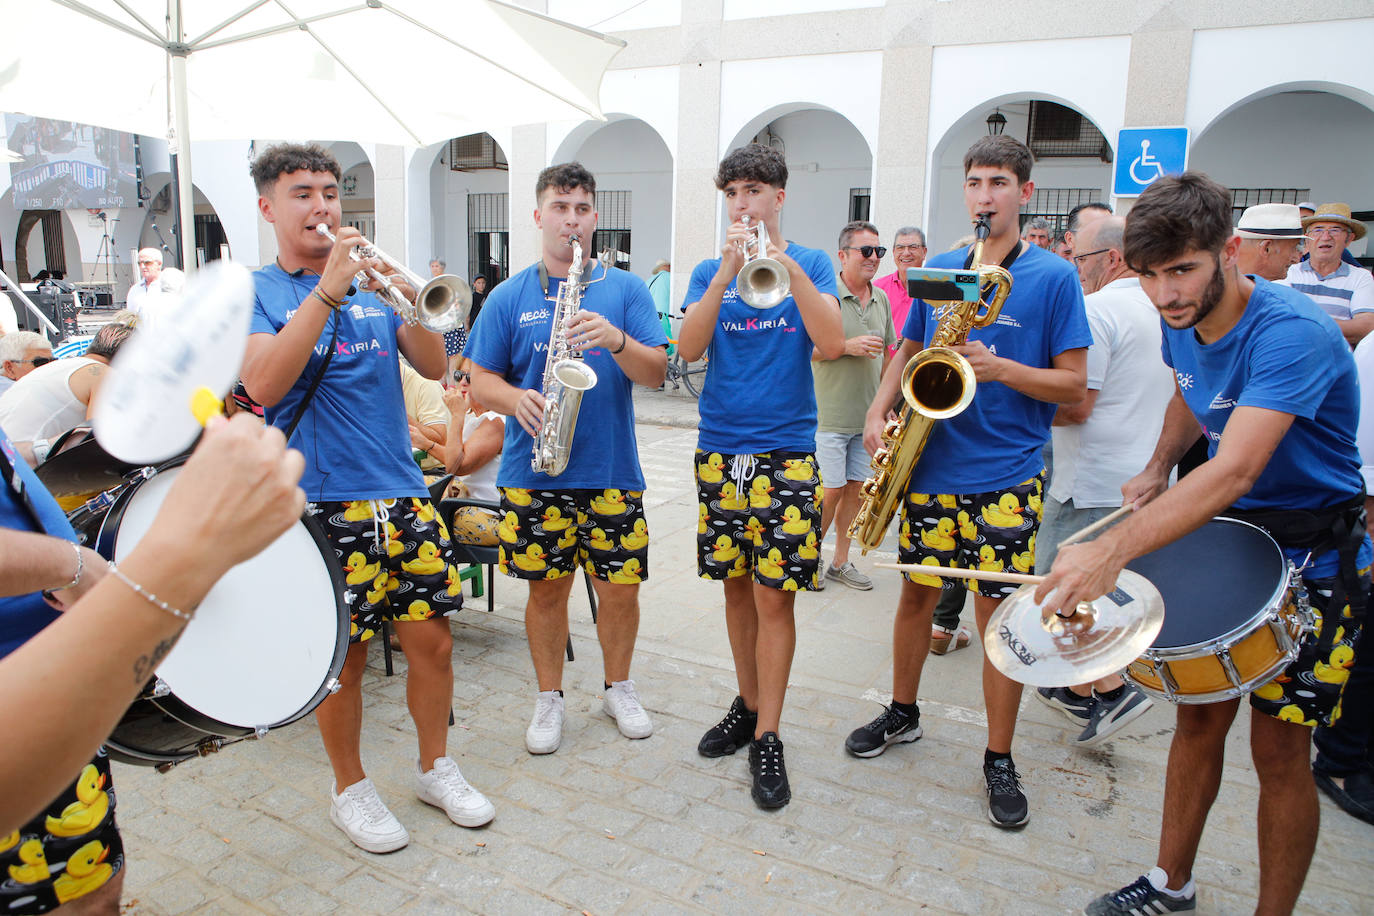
column 440, row 305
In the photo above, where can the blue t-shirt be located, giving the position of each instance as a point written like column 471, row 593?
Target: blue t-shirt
column 511, row 338
column 759, row 394
column 22, row 616
column 354, row 434
column 1284, row 354
column 995, row 443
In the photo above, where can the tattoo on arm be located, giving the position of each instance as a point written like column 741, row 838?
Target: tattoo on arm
column 146, row 664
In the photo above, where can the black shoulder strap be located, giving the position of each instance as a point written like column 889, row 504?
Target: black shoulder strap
column 315, row 383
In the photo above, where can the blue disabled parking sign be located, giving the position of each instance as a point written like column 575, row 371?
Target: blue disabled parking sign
column 1146, row 153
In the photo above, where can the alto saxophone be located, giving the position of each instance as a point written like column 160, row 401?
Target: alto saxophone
column 566, row 377
column 937, row 383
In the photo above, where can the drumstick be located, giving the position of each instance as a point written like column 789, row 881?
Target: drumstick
column 957, row 573
column 1100, row 523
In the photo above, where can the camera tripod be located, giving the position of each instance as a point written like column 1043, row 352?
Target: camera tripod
column 107, row 254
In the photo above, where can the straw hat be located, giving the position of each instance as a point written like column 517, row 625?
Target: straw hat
column 1335, row 213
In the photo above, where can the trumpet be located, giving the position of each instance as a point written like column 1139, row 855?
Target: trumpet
column 762, row 282
column 440, row 305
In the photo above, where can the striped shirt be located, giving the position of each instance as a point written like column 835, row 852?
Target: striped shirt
column 1342, row 293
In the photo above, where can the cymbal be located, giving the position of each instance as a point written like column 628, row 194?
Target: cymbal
column 81, row 470
column 1043, row 649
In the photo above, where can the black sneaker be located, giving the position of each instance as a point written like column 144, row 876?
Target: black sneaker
column 1140, row 897
column 1356, row 798
column 770, row 773
column 1078, row 709
column 1110, row 716
column 891, row 727
column 731, row 733
column 1007, row 806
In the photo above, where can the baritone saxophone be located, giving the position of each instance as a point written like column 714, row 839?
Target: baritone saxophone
column 937, row 383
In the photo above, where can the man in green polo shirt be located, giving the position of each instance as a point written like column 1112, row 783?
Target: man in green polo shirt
column 844, row 388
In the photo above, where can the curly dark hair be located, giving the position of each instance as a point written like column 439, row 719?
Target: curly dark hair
column 1001, row 150
column 754, row 162
column 566, row 176
column 1176, row 214
column 285, row 158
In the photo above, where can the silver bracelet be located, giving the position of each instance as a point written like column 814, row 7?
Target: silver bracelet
column 80, row 568
column 147, row 595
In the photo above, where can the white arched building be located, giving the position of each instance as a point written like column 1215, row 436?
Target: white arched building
column 873, row 104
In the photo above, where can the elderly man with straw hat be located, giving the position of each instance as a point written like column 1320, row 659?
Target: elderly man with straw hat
column 1344, row 291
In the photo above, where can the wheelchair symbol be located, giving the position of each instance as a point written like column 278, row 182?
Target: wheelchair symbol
column 1148, row 164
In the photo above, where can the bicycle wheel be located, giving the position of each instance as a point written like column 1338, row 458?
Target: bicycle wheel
column 693, row 375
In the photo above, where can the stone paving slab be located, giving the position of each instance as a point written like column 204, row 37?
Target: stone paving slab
column 608, row 825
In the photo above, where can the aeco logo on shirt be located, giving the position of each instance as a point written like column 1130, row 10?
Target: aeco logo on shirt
column 1185, row 380
column 532, row 317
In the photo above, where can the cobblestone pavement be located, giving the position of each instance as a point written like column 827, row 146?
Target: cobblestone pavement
column 607, row 825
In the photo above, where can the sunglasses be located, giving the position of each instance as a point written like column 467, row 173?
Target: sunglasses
column 462, row 377
column 37, row 361
column 868, row 251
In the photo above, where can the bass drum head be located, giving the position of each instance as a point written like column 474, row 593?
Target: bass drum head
column 268, row 637
column 147, row 736
column 1214, row 581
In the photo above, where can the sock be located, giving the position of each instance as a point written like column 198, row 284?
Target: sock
column 1158, row 878
column 608, row 686
column 906, row 709
column 990, row 755
column 1111, row 696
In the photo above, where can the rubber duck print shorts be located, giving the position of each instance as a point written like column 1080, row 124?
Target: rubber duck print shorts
column 759, row 514
column 547, row 534
column 1308, row 691
column 992, row 531
column 397, row 560
column 70, row 849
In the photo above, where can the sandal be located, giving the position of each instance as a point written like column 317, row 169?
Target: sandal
column 941, row 637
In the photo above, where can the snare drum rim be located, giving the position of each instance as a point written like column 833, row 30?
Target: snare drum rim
column 172, row 705
column 1272, row 607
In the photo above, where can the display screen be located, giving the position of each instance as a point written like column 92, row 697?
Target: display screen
column 59, row 165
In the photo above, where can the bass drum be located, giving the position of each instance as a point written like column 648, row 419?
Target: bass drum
column 265, row 647
column 1235, row 614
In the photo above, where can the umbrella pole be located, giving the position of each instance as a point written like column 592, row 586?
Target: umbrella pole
column 180, row 141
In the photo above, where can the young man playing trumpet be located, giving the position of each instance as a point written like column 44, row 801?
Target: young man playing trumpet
column 973, row 499
column 591, row 515
column 757, row 485
column 321, row 356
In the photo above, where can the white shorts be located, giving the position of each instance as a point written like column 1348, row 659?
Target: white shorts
column 843, row 458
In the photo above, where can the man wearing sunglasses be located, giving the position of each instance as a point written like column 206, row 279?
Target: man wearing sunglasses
column 56, row 396
column 21, row 352
column 845, row 386
column 1345, row 292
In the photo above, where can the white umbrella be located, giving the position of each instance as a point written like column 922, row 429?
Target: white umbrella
column 409, row 72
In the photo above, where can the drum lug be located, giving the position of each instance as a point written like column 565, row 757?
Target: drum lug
column 1223, row 654
column 332, row 685
column 260, row 731
column 160, row 689
column 1166, row 679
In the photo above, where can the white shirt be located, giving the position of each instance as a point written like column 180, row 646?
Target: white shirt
column 1344, row 292
column 41, row 404
column 9, row 322
column 142, row 295
column 1364, row 433
column 1134, row 386
column 481, row 483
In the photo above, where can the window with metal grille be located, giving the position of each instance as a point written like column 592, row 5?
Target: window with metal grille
column 475, row 151
column 860, row 203
column 613, row 226
column 1249, row 197
column 1054, row 205
column 1058, row 132
column 489, row 237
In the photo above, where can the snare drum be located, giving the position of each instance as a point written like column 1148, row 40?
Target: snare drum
column 1235, row 612
column 265, row 647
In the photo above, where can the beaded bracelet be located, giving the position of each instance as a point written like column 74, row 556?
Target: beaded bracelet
column 147, row 595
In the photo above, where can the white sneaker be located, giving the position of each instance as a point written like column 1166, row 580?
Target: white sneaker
column 444, row 787
column 358, row 811
column 622, row 704
column 546, row 728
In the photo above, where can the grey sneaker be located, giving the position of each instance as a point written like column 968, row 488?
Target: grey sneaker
column 1079, row 710
column 622, row 704
column 1141, row 896
column 1108, row 718
column 848, row 575
column 444, row 787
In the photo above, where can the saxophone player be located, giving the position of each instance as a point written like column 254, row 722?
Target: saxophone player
column 973, row 498
column 591, row 514
column 758, row 486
